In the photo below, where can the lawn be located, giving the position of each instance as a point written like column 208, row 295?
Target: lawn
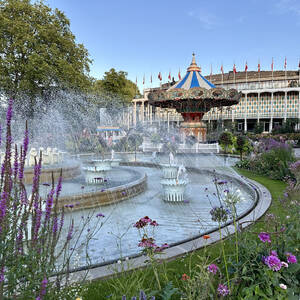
column 130, row 283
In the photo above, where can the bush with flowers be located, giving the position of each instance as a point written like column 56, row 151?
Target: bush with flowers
column 273, row 159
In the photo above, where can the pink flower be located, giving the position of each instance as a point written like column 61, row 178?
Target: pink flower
column 284, row 264
column 212, row 268
column 273, row 262
column 291, row 259
column 264, row 237
column 223, row 290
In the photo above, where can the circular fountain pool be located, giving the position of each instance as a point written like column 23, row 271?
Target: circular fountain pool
column 177, row 221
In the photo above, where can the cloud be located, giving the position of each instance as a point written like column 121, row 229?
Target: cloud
column 288, row 7
column 207, row 20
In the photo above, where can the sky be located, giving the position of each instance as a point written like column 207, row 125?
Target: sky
column 152, row 36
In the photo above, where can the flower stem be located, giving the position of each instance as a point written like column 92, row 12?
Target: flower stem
column 224, row 257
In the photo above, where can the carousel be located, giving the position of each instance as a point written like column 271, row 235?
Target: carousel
column 192, row 97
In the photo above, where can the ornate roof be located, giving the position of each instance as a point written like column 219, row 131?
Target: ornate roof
column 193, row 78
column 194, row 93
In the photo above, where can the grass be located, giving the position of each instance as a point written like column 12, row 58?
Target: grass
column 130, row 283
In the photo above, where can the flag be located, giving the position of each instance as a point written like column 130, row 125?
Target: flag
column 159, row 76
column 272, row 65
column 222, row 71
column 179, row 76
column 169, row 77
column 234, row 69
column 144, row 79
column 136, row 80
column 258, row 66
column 246, row 67
column 151, row 78
column 285, row 63
column 210, row 69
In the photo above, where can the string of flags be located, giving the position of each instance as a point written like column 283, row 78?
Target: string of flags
column 234, row 70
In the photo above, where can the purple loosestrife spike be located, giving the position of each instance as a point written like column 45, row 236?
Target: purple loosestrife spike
column 143, row 295
column 59, row 186
column 3, row 202
column 0, row 135
column 69, row 236
column 123, row 297
column 2, row 274
column 133, row 298
column 49, row 204
column 44, row 286
column 37, row 226
column 55, row 225
column 16, row 163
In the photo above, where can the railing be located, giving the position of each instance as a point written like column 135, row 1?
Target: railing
column 183, row 148
column 229, row 116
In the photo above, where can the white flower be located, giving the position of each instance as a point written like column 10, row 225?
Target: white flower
column 119, row 262
column 283, row 286
column 284, row 264
column 287, row 217
column 127, row 258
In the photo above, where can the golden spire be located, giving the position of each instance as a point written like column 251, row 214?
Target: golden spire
column 193, row 66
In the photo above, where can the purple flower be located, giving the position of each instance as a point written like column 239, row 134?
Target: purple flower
column 264, row 237
column 273, row 262
column 100, row 215
column 291, row 259
column 212, row 268
column 55, row 225
column 59, row 186
column 2, row 274
column 223, row 290
column 274, row 253
column 143, row 296
column 69, row 236
column 43, row 286
column 49, row 204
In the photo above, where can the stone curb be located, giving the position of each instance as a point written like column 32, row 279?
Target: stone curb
column 262, row 205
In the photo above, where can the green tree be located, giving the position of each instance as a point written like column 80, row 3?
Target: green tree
column 226, row 141
column 242, row 145
column 38, row 53
column 115, row 89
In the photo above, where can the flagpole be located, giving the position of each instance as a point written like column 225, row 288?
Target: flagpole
column 259, row 73
column 285, row 72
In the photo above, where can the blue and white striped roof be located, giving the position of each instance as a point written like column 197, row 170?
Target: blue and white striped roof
column 192, row 79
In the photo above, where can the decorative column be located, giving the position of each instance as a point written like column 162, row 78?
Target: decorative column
column 272, row 109
column 258, row 107
column 142, row 111
column 151, row 114
column 285, row 106
column 134, row 114
column 245, row 114
column 168, row 120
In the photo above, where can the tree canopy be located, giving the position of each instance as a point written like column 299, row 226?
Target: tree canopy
column 115, row 87
column 38, row 51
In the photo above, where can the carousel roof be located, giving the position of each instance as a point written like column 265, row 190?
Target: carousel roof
column 193, row 78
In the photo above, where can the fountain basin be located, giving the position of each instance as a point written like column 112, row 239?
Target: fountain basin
column 102, row 164
column 93, row 175
column 174, row 189
column 115, row 162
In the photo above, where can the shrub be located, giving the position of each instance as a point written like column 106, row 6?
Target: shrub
column 226, row 141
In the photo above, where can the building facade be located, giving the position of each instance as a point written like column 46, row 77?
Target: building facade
column 268, row 98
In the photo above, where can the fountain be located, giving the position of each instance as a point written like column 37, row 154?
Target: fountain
column 174, row 181
column 115, row 162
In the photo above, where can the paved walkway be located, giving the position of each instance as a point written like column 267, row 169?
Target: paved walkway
column 263, row 203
